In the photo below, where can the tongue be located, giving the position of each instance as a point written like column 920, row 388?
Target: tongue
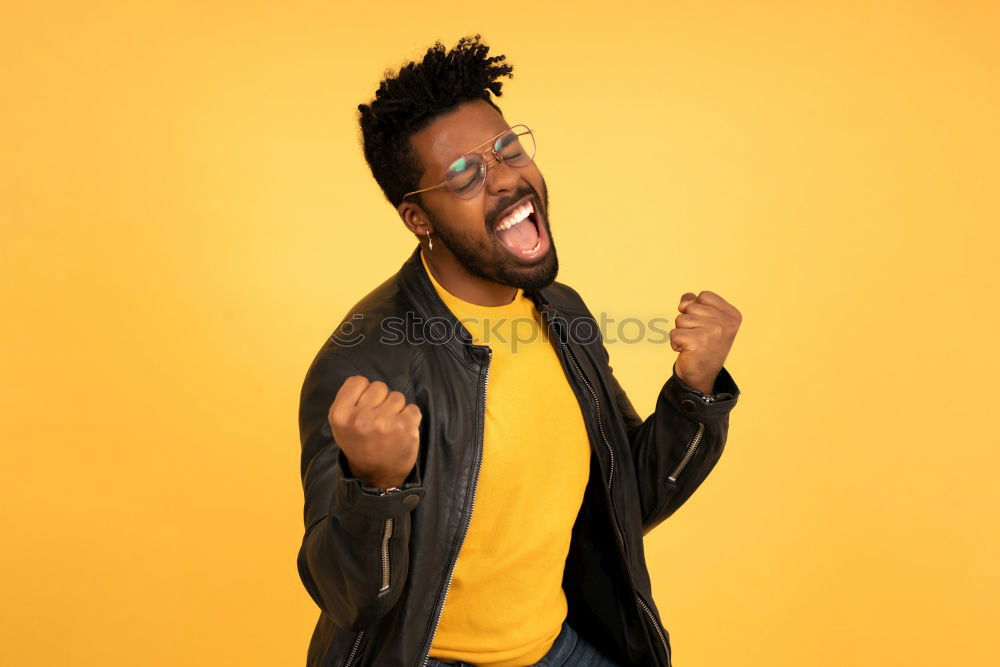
column 522, row 236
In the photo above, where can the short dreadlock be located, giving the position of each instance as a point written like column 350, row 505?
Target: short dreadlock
column 409, row 100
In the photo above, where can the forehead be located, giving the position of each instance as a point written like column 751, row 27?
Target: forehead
column 454, row 133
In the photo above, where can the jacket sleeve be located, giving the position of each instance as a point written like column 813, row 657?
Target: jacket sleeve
column 676, row 447
column 354, row 557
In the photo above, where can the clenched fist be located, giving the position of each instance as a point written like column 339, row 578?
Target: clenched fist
column 377, row 430
column 705, row 332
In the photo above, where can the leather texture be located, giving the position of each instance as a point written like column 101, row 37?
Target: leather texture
column 378, row 564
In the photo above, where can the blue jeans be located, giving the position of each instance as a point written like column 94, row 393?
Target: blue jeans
column 569, row 650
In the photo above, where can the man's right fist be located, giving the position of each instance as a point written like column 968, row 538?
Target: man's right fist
column 377, row 430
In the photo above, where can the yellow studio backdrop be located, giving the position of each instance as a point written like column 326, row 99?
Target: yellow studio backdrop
column 186, row 215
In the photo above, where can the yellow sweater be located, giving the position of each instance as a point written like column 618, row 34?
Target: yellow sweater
column 506, row 604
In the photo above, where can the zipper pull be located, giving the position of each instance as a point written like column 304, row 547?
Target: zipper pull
column 391, row 489
column 704, row 397
column 700, row 394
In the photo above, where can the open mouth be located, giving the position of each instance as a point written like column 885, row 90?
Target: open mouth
column 520, row 231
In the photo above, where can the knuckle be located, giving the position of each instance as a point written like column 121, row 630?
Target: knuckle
column 362, row 423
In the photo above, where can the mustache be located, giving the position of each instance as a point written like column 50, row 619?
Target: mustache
column 494, row 216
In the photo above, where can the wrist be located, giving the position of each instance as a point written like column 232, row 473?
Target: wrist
column 385, row 480
column 381, row 479
column 701, row 386
column 706, row 387
column 384, row 483
column 374, row 478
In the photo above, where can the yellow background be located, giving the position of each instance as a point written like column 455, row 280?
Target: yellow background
column 186, row 214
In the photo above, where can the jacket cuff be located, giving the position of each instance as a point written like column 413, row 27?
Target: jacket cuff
column 698, row 406
column 351, row 495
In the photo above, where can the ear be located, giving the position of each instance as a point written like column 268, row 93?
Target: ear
column 414, row 218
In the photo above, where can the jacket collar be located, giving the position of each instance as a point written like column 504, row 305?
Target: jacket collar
column 415, row 283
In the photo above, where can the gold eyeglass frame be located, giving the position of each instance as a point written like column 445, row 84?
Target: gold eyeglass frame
column 478, row 150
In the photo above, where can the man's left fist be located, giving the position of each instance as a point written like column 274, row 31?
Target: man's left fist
column 703, row 336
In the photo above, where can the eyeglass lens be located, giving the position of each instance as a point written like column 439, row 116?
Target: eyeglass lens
column 465, row 176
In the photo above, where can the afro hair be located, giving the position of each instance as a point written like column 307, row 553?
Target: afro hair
column 409, row 100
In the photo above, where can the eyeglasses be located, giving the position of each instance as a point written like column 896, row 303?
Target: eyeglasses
column 465, row 177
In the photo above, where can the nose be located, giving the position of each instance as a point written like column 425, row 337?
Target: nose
column 501, row 178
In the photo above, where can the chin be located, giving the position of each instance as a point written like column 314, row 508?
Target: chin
column 532, row 278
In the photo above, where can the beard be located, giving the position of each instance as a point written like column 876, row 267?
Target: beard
column 490, row 261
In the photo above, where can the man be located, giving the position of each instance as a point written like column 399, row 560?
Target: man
column 477, row 483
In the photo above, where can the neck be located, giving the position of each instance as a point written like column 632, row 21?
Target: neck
column 458, row 281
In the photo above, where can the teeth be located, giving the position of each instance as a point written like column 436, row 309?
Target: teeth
column 519, row 214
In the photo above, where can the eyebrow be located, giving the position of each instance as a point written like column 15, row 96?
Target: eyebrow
column 490, row 140
column 477, row 149
column 510, row 136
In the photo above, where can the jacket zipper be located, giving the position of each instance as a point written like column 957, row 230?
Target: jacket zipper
column 387, row 528
column 354, row 649
column 706, row 397
column 614, row 521
column 465, row 532
column 663, row 639
column 386, row 534
column 695, row 440
column 687, row 454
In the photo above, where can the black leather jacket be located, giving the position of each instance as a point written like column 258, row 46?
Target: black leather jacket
column 379, row 565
